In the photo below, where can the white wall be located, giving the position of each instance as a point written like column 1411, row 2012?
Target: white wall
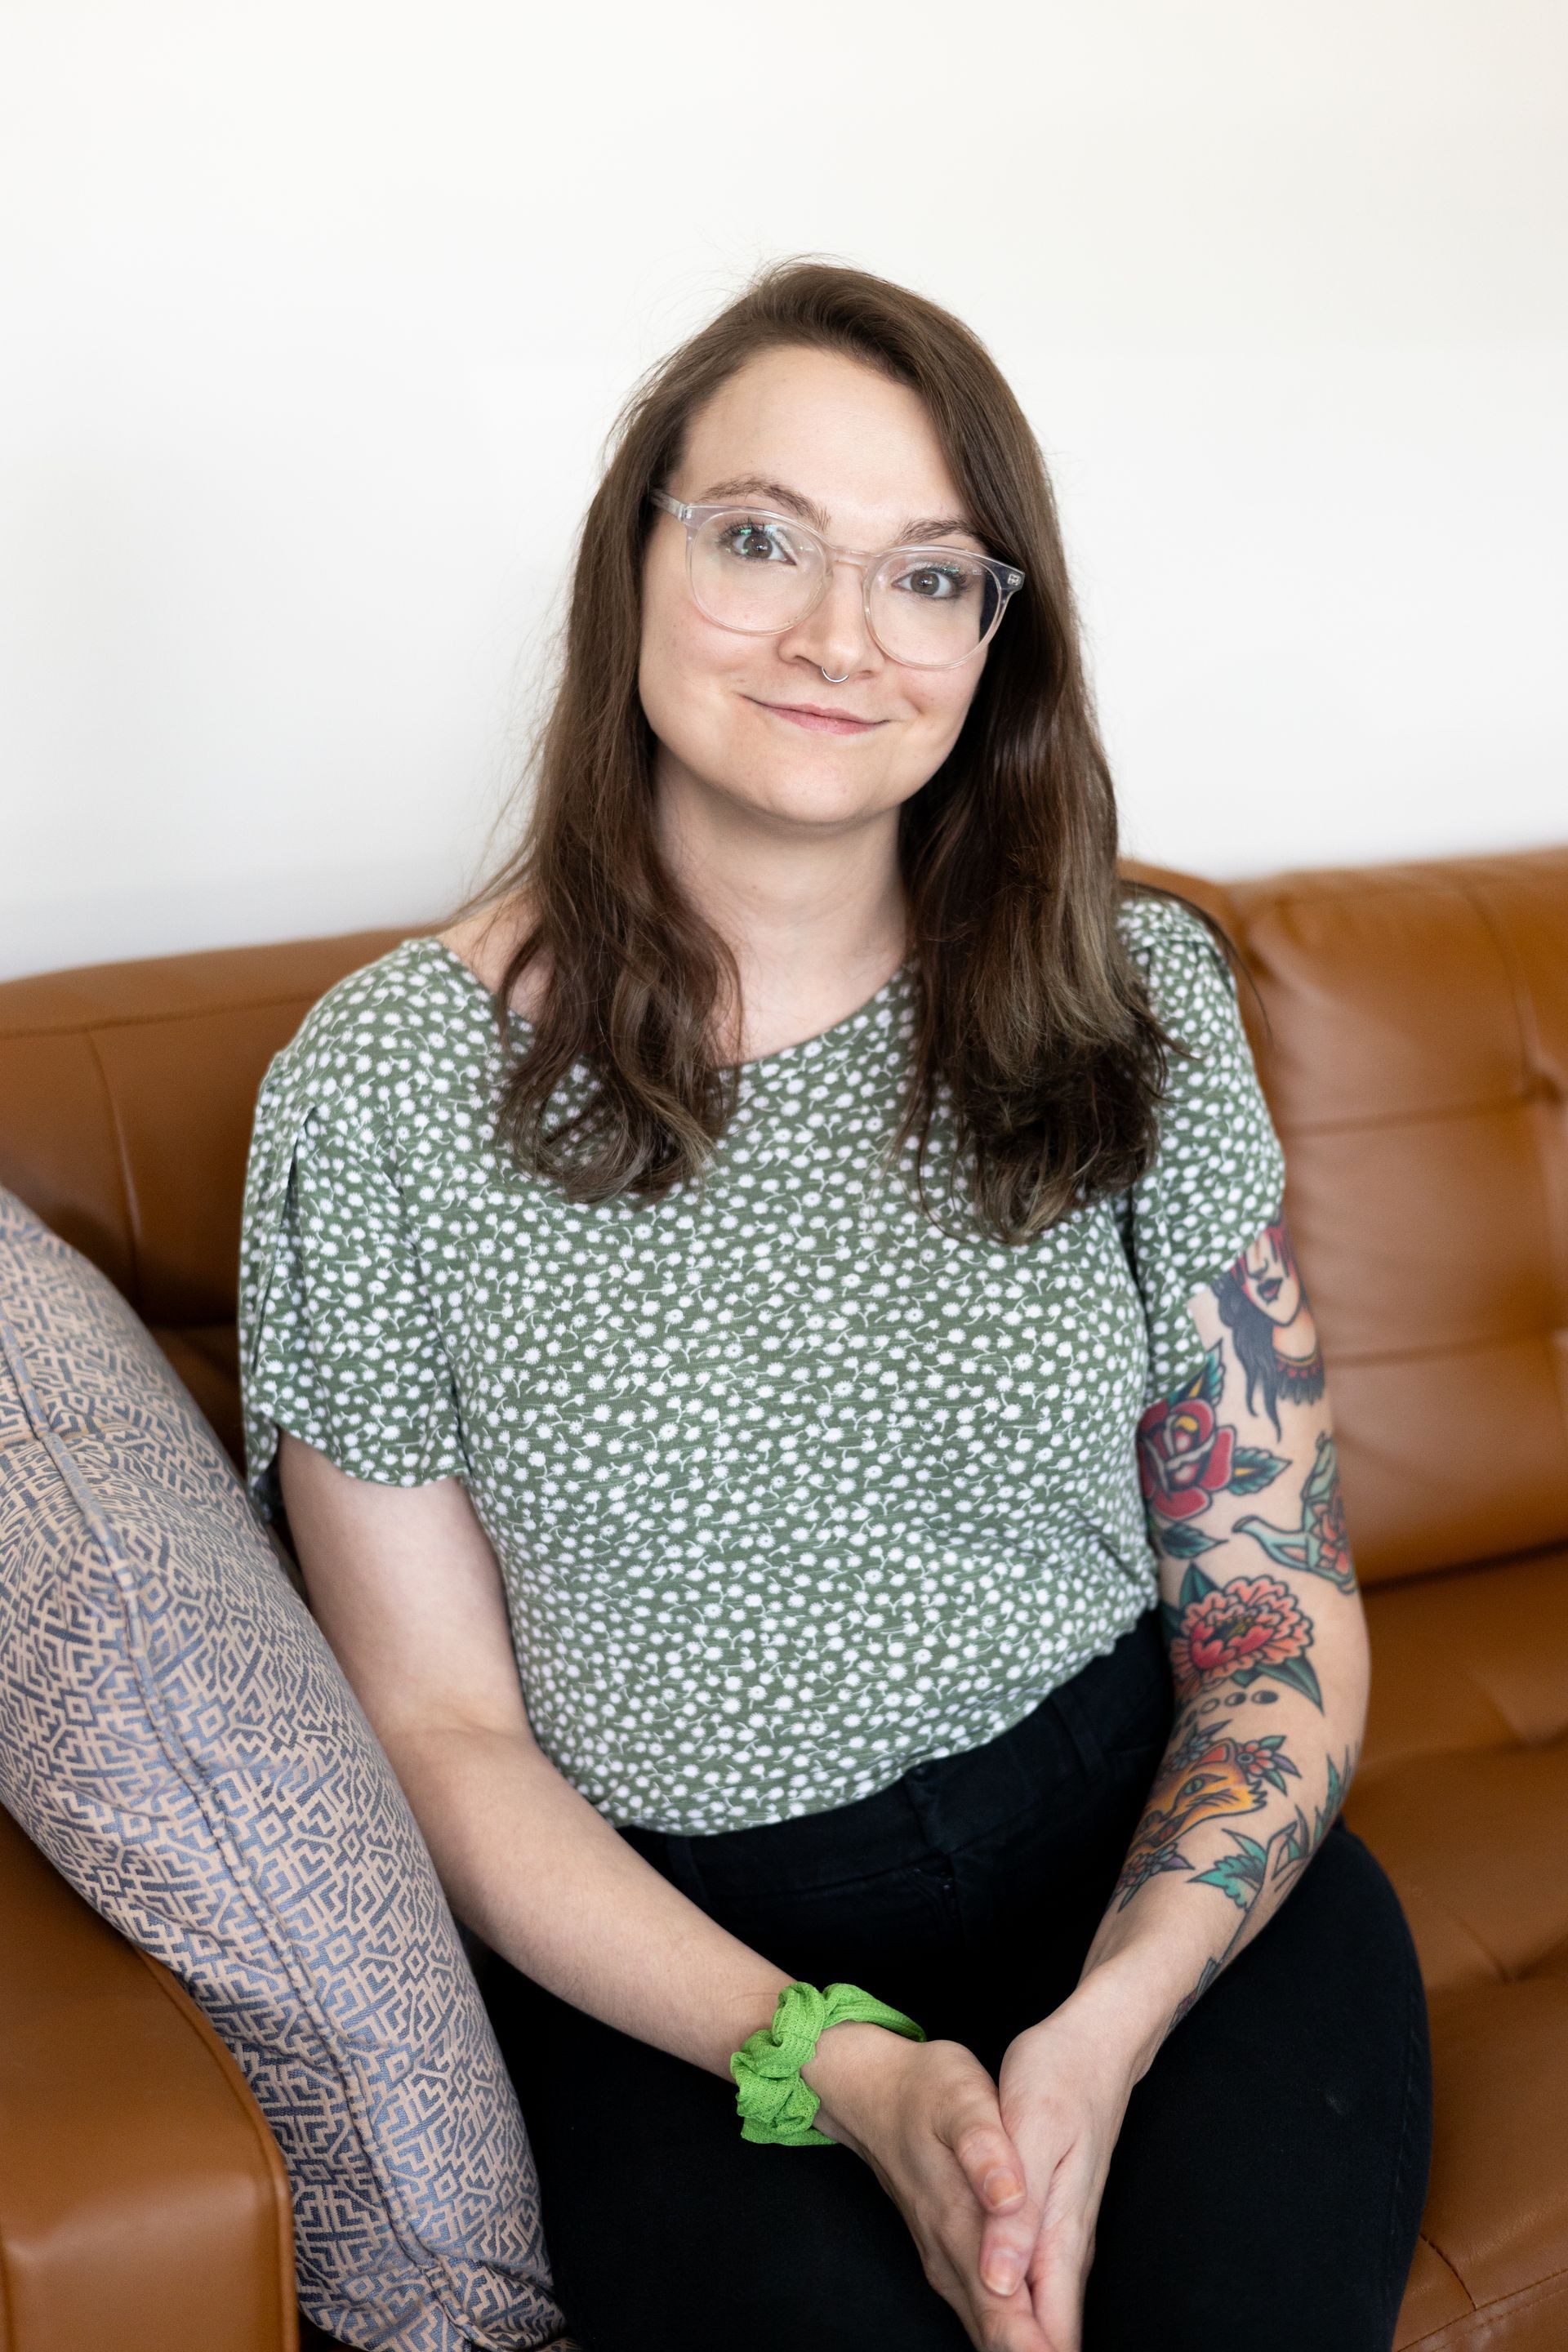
column 316, row 311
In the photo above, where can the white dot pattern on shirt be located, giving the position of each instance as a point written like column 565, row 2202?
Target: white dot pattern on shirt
column 790, row 1489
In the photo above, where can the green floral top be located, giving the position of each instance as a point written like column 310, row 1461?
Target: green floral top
column 790, row 1489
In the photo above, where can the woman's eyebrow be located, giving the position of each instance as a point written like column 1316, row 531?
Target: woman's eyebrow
column 938, row 526
column 753, row 486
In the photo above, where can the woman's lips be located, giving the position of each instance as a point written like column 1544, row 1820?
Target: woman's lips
column 823, row 722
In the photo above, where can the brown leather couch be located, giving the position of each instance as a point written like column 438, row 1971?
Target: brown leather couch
column 1415, row 1056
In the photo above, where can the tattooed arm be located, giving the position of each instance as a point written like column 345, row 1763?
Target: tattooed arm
column 1268, row 1658
column 1268, row 1643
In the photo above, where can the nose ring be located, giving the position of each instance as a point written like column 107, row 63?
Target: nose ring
column 833, row 682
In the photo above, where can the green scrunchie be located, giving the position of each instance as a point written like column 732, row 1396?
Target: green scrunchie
column 773, row 2103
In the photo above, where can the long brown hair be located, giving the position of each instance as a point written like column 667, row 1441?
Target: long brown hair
column 1027, row 1004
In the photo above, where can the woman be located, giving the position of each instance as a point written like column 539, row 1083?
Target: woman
column 735, row 1322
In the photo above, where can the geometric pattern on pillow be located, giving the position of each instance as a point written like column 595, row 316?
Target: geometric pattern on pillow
column 177, row 1737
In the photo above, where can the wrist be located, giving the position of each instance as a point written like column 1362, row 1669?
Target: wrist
column 850, row 2073
column 1122, row 2012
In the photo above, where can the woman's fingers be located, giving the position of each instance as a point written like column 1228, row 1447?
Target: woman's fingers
column 1067, row 2249
column 995, row 2323
column 940, row 2149
column 1010, row 2230
column 1011, row 2210
column 1008, row 2212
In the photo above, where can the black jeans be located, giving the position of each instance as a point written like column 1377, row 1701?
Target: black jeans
column 1267, row 2184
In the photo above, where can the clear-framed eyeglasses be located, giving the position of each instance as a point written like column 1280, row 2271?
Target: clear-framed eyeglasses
column 761, row 574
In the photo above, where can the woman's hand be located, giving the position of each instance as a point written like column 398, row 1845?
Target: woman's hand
column 926, row 2117
column 1064, row 2089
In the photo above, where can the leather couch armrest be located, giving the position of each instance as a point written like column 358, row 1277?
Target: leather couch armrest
column 144, row 2200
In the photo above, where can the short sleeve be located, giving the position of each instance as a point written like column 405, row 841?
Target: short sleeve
column 1218, row 1174
column 337, row 1341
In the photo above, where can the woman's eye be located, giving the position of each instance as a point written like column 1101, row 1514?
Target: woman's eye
column 756, row 542
column 938, row 582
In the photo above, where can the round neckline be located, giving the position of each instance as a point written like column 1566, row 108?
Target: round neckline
column 856, row 1018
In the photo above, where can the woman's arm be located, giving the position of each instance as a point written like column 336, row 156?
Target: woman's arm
column 1268, row 1650
column 404, row 1585
column 407, row 1589
column 1270, row 1660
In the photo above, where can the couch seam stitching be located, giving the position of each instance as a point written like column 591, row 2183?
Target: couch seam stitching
column 123, row 1166
column 1431, row 2243
column 87, row 1024
column 1518, row 2299
column 1532, row 1052
column 1358, row 1358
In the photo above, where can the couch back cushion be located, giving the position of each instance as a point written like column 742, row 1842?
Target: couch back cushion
column 177, row 1737
column 1417, row 1066
column 1415, row 1056
column 126, row 1098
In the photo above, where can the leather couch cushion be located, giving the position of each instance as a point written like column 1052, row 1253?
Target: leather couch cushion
column 1416, row 1061
column 1462, row 1793
column 144, row 2202
column 127, row 1092
column 176, row 1737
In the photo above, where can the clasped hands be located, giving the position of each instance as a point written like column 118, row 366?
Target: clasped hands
column 999, row 2182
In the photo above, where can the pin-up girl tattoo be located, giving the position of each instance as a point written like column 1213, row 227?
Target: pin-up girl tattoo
column 1262, row 1300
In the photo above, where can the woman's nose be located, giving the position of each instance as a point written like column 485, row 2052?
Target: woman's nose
column 833, row 634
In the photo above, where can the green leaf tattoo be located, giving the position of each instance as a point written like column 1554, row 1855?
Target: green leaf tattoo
column 1253, row 1466
column 1298, row 1843
column 1246, row 1868
column 1184, row 1541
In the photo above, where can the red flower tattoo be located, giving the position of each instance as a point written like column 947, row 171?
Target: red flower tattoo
column 1185, row 1456
column 1251, row 1621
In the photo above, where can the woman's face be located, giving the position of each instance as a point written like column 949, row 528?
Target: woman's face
column 1270, row 1278
column 811, row 433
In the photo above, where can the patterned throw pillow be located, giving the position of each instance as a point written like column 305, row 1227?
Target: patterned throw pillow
column 177, row 1736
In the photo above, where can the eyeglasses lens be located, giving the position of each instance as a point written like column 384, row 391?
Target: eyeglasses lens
column 933, row 609
column 753, row 572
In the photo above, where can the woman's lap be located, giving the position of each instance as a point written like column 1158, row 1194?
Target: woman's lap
column 1269, row 2175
